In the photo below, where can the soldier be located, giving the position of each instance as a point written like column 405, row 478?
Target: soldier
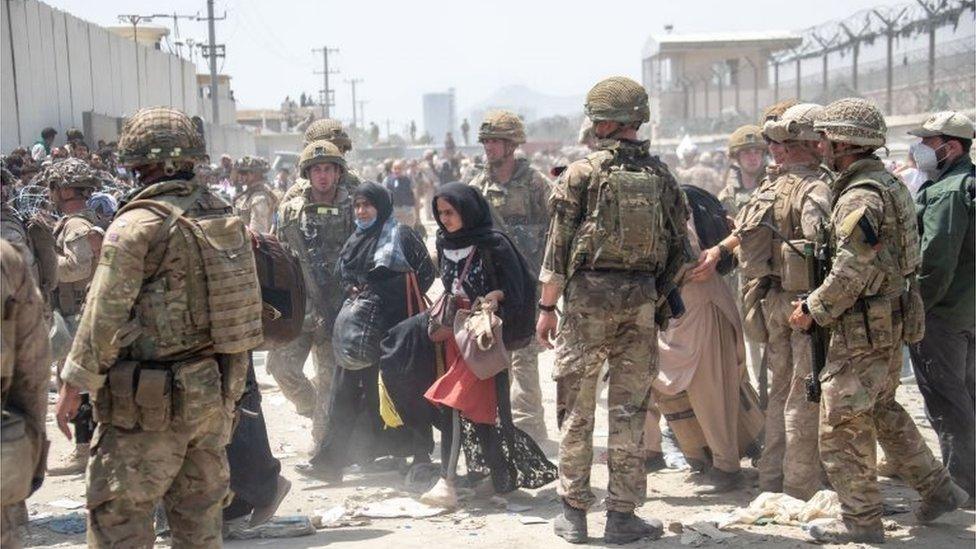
column 31, row 237
column 78, row 242
column 315, row 223
column 795, row 200
column 871, row 302
column 164, row 375
column 254, row 201
column 616, row 241
column 26, row 361
column 747, row 150
column 696, row 170
column 518, row 194
column 326, row 129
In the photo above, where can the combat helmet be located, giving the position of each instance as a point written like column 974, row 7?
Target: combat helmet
column 252, row 164
column 617, row 99
column 160, row 134
column 796, row 124
column 69, row 173
column 746, row 137
column 320, row 152
column 776, row 110
column 852, row 120
column 328, row 129
column 502, row 125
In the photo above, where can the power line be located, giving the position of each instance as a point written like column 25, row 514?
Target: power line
column 327, row 94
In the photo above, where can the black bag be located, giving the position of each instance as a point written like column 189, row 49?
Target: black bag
column 711, row 222
column 282, row 291
column 358, row 331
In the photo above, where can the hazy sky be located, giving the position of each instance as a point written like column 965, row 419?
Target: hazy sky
column 404, row 49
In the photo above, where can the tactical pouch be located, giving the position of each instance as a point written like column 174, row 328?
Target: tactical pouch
column 913, row 313
column 197, row 390
column 796, row 272
column 16, row 458
column 878, row 317
column 754, row 320
column 233, row 369
column 121, row 389
column 154, row 399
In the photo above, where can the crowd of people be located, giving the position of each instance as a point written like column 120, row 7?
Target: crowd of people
column 148, row 277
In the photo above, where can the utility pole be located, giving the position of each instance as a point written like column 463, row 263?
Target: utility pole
column 134, row 20
column 362, row 112
column 325, row 72
column 352, row 82
column 212, row 51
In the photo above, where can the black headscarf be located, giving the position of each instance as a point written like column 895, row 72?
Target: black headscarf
column 356, row 256
column 510, row 267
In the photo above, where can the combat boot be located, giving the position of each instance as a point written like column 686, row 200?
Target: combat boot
column 841, row 532
column 627, row 527
column 948, row 499
column 72, row 464
column 571, row 524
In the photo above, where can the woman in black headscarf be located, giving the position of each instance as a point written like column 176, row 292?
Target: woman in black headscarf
column 385, row 268
column 478, row 261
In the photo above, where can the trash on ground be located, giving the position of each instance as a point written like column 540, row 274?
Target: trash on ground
column 291, row 526
column 783, row 509
column 69, row 524
column 66, row 503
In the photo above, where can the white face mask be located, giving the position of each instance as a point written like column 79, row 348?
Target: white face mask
column 925, row 157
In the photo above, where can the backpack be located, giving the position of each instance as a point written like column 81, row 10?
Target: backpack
column 711, row 223
column 282, row 290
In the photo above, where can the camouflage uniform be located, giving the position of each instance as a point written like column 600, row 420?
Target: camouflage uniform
column 329, row 130
column 26, row 362
column 521, row 202
column 608, row 310
column 257, row 204
column 874, row 241
column 317, row 233
column 165, row 384
column 795, row 200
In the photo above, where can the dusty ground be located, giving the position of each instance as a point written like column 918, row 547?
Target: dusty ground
column 482, row 523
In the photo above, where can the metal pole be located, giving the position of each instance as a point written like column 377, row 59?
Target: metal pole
column 135, row 47
column 798, row 79
column 214, row 106
column 325, row 81
column 931, row 63
column 775, row 82
column 353, row 83
column 889, row 72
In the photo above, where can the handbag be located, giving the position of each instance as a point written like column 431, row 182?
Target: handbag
column 357, row 333
column 478, row 333
column 440, row 327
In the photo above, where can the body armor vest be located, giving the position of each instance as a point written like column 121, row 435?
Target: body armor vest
column 70, row 296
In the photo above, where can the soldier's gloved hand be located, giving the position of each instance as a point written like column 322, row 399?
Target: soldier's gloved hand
column 707, row 263
column 69, row 400
column 545, row 328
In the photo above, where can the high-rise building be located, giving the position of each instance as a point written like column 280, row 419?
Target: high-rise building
column 440, row 115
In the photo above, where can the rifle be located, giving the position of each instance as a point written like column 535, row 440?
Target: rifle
column 818, row 265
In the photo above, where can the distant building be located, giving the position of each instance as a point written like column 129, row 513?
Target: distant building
column 695, row 79
column 440, row 114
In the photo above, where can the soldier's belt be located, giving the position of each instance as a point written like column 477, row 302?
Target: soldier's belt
column 861, row 305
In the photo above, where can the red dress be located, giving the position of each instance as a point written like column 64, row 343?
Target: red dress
column 460, row 389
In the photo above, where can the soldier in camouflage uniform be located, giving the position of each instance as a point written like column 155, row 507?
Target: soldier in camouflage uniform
column 32, row 238
column 617, row 239
column 26, row 364
column 326, row 129
column 164, row 375
column 795, row 199
column 870, row 300
column 315, row 223
column 747, row 150
column 518, row 194
column 254, row 202
column 78, row 242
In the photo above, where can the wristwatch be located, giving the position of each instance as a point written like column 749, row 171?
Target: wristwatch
column 724, row 252
column 804, row 307
column 547, row 308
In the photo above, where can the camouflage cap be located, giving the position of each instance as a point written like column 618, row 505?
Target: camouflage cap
column 502, row 125
column 617, row 99
column 320, row 152
column 776, row 110
column 746, row 137
column 328, row 129
column 852, row 120
column 69, row 173
column 796, row 124
column 160, row 134
column 252, row 164
column 947, row 123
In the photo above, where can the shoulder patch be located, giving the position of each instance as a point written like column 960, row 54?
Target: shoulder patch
column 846, row 226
